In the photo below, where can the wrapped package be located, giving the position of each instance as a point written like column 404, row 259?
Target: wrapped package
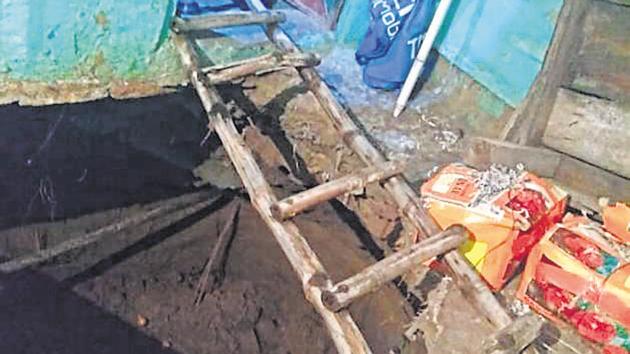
column 578, row 274
column 506, row 211
column 617, row 221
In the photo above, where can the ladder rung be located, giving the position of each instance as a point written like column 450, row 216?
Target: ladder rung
column 373, row 277
column 259, row 65
column 299, row 202
column 206, row 22
column 402, row 193
column 313, row 276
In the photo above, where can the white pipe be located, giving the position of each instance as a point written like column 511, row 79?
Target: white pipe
column 421, row 58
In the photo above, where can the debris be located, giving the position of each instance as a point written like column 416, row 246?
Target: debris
column 141, row 321
column 506, row 210
column 216, row 262
column 494, row 181
column 576, row 276
column 519, row 308
column 166, row 344
column 427, row 321
column 397, row 143
column 447, row 138
column 515, row 337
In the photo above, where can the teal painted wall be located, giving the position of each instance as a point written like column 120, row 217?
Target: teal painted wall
column 353, row 22
column 500, row 43
column 47, row 40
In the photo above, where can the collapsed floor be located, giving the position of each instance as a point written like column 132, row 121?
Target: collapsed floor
column 74, row 169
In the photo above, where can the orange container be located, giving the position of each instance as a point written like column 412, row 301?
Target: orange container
column 504, row 228
column 617, row 221
column 576, row 274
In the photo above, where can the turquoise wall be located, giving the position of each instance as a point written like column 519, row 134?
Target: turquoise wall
column 47, row 40
column 500, row 43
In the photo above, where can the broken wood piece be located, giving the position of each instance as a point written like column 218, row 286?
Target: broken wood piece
column 199, row 202
column 260, row 65
column 395, row 265
column 514, row 338
column 295, row 204
column 483, row 152
column 214, row 268
column 471, row 283
column 206, row 22
column 344, row 332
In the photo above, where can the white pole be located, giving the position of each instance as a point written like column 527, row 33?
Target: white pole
column 421, row 58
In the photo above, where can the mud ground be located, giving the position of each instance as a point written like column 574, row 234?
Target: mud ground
column 67, row 170
column 133, row 292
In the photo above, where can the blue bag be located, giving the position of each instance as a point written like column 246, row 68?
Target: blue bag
column 386, row 20
column 389, row 70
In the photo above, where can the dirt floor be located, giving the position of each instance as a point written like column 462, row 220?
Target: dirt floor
column 68, row 170
column 72, row 169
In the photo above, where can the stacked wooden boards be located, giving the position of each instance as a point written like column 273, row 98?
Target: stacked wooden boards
column 590, row 119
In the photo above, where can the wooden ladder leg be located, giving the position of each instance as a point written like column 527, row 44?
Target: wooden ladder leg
column 295, row 204
column 345, row 334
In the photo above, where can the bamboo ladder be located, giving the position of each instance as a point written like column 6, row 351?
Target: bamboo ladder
column 329, row 300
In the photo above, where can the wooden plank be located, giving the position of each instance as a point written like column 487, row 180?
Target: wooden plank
column 527, row 123
column 482, row 152
column 591, row 129
column 343, row 330
column 585, row 182
column 602, row 66
column 591, row 180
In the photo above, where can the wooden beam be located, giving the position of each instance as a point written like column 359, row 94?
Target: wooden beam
column 603, row 64
column 481, row 153
column 592, row 180
column 472, row 285
column 206, row 22
column 295, row 204
column 515, row 337
column 375, row 276
column 527, row 123
column 199, row 202
column 344, row 332
column 260, row 65
column 592, row 129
